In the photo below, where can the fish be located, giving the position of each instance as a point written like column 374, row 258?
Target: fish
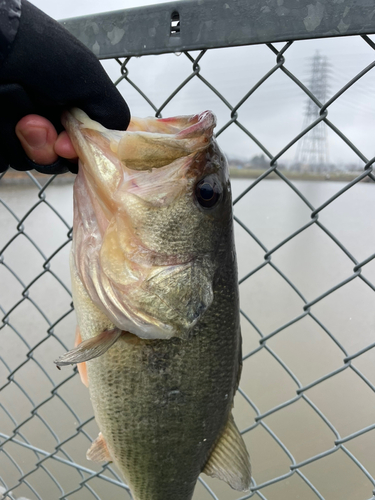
column 155, row 290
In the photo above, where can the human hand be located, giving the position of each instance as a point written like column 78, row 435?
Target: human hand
column 41, row 142
column 47, row 71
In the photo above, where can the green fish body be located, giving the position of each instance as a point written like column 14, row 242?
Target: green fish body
column 153, row 260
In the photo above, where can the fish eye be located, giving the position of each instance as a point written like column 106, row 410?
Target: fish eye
column 208, row 192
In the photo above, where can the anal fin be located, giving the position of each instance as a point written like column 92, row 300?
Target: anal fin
column 229, row 459
column 98, row 451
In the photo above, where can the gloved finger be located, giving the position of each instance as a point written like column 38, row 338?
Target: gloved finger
column 14, row 104
column 61, row 166
column 4, row 164
column 106, row 106
column 58, row 70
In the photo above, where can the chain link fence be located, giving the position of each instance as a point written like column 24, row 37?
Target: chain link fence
column 306, row 404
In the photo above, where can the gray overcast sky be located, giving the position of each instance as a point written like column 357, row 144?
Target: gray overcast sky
column 274, row 113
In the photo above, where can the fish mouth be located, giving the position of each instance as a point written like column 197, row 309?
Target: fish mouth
column 123, row 178
column 146, row 145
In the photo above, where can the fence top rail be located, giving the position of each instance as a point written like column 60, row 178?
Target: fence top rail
column 200, row 24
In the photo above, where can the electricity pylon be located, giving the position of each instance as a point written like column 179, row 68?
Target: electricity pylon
column 312, row 149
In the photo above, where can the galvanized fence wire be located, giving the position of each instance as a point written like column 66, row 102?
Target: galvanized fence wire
column 85, row 477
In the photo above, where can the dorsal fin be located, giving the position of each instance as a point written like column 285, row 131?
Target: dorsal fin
column 229, row 459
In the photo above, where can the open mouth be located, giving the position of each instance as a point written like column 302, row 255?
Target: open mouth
column 130, row 186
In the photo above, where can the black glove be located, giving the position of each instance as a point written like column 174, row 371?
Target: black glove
column 49, row 70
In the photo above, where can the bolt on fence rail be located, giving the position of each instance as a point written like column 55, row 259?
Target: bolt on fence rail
column 310, row 433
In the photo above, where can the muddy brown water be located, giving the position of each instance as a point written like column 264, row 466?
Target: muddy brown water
column 296, row 356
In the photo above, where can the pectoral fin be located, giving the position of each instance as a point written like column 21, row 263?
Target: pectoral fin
column 90, row 348
column 98, row 451
column 230, row 460
column 82, row 369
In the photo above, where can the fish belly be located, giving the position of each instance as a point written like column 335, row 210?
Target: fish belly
column 162, row 404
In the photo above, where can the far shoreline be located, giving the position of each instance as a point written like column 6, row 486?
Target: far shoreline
column 15, row 178
column 242, row 173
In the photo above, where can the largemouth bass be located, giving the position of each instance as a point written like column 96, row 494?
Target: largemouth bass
column 154, row 281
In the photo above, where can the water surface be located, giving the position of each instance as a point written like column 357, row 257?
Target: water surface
column 39, row 323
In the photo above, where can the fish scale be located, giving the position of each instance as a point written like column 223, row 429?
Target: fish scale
column 130, row 388
column 154, row 283
column 141, row 418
